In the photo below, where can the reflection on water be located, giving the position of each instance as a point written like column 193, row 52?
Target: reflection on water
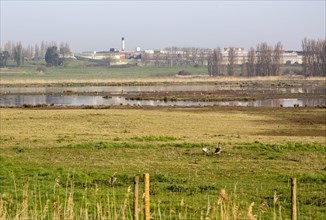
column 277, row 102
column 77, row 100
column 156, row 88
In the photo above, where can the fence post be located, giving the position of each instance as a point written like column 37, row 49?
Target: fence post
column 146, row 198
column 294, row 199
column 136, row 184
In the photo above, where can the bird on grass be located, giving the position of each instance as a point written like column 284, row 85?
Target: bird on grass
column 206, row 150
column 218, row 150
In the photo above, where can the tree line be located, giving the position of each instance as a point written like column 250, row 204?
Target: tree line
column 314, row 57
column 267, row 60
column 19, row 54
column 264, row 61
column 176, row 56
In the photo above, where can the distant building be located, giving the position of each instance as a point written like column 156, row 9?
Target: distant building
column 114, row 56
column 114, row 50
column 240, row 55
column 174, row 56
column 237, row 49
column 289, row 57
column 292, row 57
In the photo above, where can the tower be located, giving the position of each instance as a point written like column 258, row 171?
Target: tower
column 123, row 44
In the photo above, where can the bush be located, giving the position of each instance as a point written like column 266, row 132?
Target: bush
column 184, row 73
column 41, row 69
column 88, row 107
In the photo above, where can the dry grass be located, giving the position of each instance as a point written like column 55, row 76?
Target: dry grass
column 167, row 141
column 155, row 80
column 195, row 125
column 221, row 206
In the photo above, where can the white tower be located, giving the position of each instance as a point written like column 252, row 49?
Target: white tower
column 123, row 44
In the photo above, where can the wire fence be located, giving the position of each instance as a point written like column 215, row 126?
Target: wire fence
column 112, row 198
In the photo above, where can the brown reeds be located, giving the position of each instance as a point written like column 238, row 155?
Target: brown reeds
column 274, row 202
column 250, row 215
column 64, row 205
column 222, row 203
column 150, row 80
column 22, row 212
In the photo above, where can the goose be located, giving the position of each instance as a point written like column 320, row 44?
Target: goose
column 218, row 149
column 206, row 150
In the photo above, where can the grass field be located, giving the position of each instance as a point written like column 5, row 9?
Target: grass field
column 77, row 71
column 82, row 70
column 262, row 149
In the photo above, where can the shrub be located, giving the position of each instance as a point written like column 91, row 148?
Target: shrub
column 41, row 69
column 184, row 73
column 88, row 107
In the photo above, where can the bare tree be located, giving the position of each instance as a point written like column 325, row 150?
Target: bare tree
column 264, row 60
column 36, row 52
column 210, row 65
column 243, row 71
column 4, row 56
column 13, row 48
column 18, row 54
column 64, row 49
column 218, row 57
column 28, row 52
column 157, row 60
column 31, row 51
column 9, row 47
column 314, row 57
column 322, row 56
column 231, row 59
column 43, row 50
column 215, row 65
column 145, row 58
column 202, row 56
column 194, row 55
column 277, row 58
column 251, row 63
column 304, row 56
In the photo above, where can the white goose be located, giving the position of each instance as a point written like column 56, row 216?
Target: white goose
column 206, row 150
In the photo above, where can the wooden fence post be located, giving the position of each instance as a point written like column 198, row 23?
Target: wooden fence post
column 147, row 213
column 294, row 199
column 136, row 184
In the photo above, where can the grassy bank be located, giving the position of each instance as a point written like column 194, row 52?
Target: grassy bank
column 105, row 148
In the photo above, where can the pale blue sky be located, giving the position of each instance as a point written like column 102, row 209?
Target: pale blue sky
column 99, row 25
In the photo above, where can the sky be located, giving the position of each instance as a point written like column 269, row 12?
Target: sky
column 100, row 25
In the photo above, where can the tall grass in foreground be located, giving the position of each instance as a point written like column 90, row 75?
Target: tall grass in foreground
column 31, row 202
column 71, row 199
column 62, row 203
column 32, row 205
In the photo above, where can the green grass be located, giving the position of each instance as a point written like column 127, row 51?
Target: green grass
column 84, row 70
column 81, row 70
column 102, row 149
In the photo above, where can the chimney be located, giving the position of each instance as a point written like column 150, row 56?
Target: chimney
column 123, row 44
